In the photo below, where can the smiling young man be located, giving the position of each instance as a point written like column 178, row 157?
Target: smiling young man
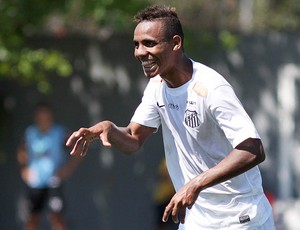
column 212, row 147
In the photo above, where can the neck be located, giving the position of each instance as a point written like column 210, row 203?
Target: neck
column 180, row 74
column 45, row 128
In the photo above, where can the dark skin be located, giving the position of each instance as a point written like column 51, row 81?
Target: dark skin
column 166, row 58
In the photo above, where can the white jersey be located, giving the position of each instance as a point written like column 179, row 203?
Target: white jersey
column 202, row 121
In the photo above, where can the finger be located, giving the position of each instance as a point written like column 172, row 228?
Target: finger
column 75, row 135
column 182, row 214
column 104, row 139
column 77, row 146
column 167, row 212
column 85, row 148
column 70, row 139
column 175, row 214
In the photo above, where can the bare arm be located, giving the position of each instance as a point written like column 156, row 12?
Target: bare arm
column 22, row 155
column 126, row 139
column 66, row 170
column 246, row 155
column 22, row 158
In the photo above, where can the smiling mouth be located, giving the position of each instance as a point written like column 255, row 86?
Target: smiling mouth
column 148, row 64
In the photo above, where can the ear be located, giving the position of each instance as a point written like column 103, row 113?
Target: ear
column 177, row 42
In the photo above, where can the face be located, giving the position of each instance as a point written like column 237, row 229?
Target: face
column 43, row 118
column 152, row 49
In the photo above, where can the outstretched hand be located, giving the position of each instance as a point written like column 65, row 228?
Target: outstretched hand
column 84, row 136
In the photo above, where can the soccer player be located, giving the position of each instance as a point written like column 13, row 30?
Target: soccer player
column 212, row 147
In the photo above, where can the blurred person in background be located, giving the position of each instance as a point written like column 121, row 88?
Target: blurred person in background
column 44, row 166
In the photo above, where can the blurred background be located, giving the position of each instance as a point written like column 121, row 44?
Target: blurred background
column 78, row 55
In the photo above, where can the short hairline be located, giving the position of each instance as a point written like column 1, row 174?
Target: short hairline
column 164, row 22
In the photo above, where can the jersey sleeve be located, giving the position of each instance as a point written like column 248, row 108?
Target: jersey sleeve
column 231, row 116
column 146, row 113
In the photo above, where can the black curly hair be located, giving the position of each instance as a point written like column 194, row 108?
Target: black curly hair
column 164, row 13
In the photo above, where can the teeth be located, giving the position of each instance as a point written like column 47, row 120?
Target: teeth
column 145, row 63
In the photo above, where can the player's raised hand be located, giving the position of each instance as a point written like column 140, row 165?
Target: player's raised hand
column 84, row 136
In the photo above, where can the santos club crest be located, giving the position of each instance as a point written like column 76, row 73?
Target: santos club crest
column 191, row 118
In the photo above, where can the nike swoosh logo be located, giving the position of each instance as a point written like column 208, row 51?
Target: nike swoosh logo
column 160, row 105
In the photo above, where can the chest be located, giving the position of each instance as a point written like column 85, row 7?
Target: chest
column 40, row 144
column 186, row 109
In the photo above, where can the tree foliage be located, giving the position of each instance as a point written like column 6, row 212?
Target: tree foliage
column 21, row 19
column 19, row 62
column 282, row 15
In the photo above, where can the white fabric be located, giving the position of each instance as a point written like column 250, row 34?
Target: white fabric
column 202, row 121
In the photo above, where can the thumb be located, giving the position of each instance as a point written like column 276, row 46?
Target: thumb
column 104, row 139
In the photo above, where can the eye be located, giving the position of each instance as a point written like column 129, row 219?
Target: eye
column 149, row 43
column 136, row 45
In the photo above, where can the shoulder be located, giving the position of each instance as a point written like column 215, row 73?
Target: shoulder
column 58, row 128
column 208, row 75
column 153, row 84
column 207, row 79
column 156, row 81
column 31, row 129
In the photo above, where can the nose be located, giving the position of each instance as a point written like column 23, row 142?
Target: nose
column 140, row 51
